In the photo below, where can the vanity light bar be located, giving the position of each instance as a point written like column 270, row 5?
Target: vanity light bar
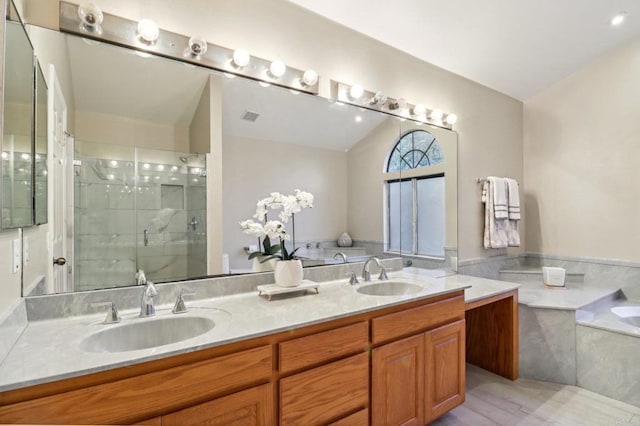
column 377, row 101
column 194, row 50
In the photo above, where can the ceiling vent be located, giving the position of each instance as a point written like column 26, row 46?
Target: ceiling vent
column 250, row 116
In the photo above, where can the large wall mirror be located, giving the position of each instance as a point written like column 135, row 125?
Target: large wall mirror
column 18, row 133
column 146, row 156
column 40, row 148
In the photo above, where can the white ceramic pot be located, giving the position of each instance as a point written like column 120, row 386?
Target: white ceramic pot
column 288, row 273
column 267, row 266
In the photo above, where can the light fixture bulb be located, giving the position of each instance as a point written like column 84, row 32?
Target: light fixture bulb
column 419, row 109
column 5, row 155
column 378, row 99
column 160, row 167
column 91, row 16
column 241, row 58
column 451, row 118
column 277, row 69
column 436, row 114
column 148, row 30
column 618, row 19
column 309, row 78
column 113, row 163
column 356, row 92
column 197, row 45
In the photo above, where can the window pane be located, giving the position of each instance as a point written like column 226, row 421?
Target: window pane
column 394, row 216
column 431, row 216
column 406, row 216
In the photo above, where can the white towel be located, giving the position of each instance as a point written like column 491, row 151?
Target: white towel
column 495, row 230
column 513, row 199
column 500, row 201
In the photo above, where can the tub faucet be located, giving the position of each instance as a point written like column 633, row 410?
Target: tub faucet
column 147, row 309
column 342, row 255
column 366, row 275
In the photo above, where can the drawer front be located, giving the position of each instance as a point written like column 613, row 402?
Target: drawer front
column 325, row 393
column 322, row 347
column 251, row 407
column 359, row 418
column 129, row 400
column 414, row 320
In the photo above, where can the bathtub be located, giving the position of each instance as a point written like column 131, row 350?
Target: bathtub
column 628, row 314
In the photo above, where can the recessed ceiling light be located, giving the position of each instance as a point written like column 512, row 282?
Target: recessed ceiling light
column 358, row 119
column 619, row 19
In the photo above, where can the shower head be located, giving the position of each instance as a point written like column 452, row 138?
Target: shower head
column 185, row 158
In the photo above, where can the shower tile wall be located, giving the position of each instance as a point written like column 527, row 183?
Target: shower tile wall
column 110, row 219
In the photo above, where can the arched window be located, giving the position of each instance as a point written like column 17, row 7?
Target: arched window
column 415, row 149
column 416, row 203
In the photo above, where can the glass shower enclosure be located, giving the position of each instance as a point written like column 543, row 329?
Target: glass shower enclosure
column 137, row 208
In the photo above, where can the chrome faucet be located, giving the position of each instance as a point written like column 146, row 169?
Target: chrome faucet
column 147, row 309
column 366, row 275
column 342, row 255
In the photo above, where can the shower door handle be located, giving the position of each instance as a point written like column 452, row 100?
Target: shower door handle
column 146, row 237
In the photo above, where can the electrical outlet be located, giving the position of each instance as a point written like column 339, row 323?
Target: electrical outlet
column 17, row 255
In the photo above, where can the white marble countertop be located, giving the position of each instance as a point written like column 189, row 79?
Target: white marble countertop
column 571, row 297
column 51, row 350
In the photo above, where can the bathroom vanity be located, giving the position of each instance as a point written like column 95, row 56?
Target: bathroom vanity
column 378, row 360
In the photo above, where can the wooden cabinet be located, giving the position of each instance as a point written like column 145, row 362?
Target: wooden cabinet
column 397, row 385
column 417, row 379
column 252, row 407
column 402, row 364
column 444, row 369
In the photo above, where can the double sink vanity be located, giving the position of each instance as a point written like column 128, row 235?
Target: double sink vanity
column 381, row 352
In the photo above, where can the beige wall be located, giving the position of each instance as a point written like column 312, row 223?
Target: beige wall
column 581, row 161
column 255, row 168
column 365, row 167
column 111, row 129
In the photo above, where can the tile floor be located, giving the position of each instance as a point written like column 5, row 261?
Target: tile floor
column 493, row 400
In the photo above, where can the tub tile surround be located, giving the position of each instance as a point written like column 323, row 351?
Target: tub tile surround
column 568, row 334
column 240, row 315
column 616, row 355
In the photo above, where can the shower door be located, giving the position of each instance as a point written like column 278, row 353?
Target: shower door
column 137, row 208
column 170, row 214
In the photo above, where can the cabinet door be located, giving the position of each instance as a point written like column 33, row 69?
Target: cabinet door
column 247, row 408
column 397, row 391
column 444, row 369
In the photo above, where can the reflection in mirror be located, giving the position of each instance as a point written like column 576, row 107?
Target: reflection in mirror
column 141, row 144
column 422, row 184
column 17, row 168
column 40, row 148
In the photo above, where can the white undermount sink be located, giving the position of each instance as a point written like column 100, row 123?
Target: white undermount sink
column 147, row 333
column 389, row 288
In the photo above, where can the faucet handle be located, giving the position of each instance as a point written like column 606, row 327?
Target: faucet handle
column 353, row 279
column 112, row 314
column 383, row 274
column 180, row 307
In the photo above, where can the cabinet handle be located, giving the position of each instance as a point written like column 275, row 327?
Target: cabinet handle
column 60, row 261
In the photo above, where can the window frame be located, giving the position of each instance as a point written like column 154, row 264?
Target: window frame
column 413, row 174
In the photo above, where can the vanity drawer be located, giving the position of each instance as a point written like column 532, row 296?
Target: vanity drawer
column 418, row 319
column 128, row 400
column 325, row 393
column 322, row 347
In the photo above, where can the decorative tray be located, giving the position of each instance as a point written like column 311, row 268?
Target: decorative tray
column 271, row 289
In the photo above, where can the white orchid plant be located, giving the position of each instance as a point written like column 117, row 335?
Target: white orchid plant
column 269, row 230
